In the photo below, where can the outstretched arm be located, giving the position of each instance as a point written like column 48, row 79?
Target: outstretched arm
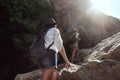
column 61, row 47
column 63, row 53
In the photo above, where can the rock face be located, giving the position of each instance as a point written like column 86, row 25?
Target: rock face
column 93, row 25
column 104, row 70
column 108, row 49
column 34, row 75
column 102, row 63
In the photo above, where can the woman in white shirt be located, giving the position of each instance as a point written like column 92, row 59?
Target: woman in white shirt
column 50, row 61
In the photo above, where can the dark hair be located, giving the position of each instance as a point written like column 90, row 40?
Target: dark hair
column 47, row 27
column 50, row 23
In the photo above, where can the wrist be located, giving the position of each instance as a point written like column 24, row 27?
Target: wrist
column 68, row 63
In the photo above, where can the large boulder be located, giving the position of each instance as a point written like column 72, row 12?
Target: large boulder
column 93, row 25
column 107, row 49
column 94, row 70
column 102, row 63
column 33, row 75
column 101, row 70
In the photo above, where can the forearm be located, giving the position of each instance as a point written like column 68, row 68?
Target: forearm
column 63, row 53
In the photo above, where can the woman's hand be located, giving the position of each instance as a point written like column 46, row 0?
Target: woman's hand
column 69, row 65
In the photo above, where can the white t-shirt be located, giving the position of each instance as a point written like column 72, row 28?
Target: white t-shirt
column 53, row 34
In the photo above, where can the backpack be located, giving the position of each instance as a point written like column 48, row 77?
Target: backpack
column 37, row 49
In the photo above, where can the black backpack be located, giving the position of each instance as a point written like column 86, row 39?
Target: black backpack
column 37, row 49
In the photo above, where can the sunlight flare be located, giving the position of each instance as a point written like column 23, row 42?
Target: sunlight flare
column 103, row 6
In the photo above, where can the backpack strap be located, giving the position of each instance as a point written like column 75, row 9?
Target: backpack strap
column 50, row 45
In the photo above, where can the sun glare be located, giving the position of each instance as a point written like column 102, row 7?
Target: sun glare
column 102, row 5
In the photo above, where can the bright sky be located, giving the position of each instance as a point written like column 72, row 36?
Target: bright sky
column 109, row 7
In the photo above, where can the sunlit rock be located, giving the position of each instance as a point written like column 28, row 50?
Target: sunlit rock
column 101, row 70
column 93, row 25
column 107, row 49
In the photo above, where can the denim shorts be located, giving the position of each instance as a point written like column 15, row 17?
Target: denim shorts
column 50, row 60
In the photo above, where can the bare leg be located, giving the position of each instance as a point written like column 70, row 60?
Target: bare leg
column 73, row 55
column 54, row 76
column 48, row 74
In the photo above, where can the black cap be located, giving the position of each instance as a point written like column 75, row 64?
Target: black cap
column 51, row 21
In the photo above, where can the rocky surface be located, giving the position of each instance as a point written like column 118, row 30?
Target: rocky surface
column 102, row 70
column 33, row 75
column 94, row 70
column 102, row 62
column 107, row 49
column 93, row 25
